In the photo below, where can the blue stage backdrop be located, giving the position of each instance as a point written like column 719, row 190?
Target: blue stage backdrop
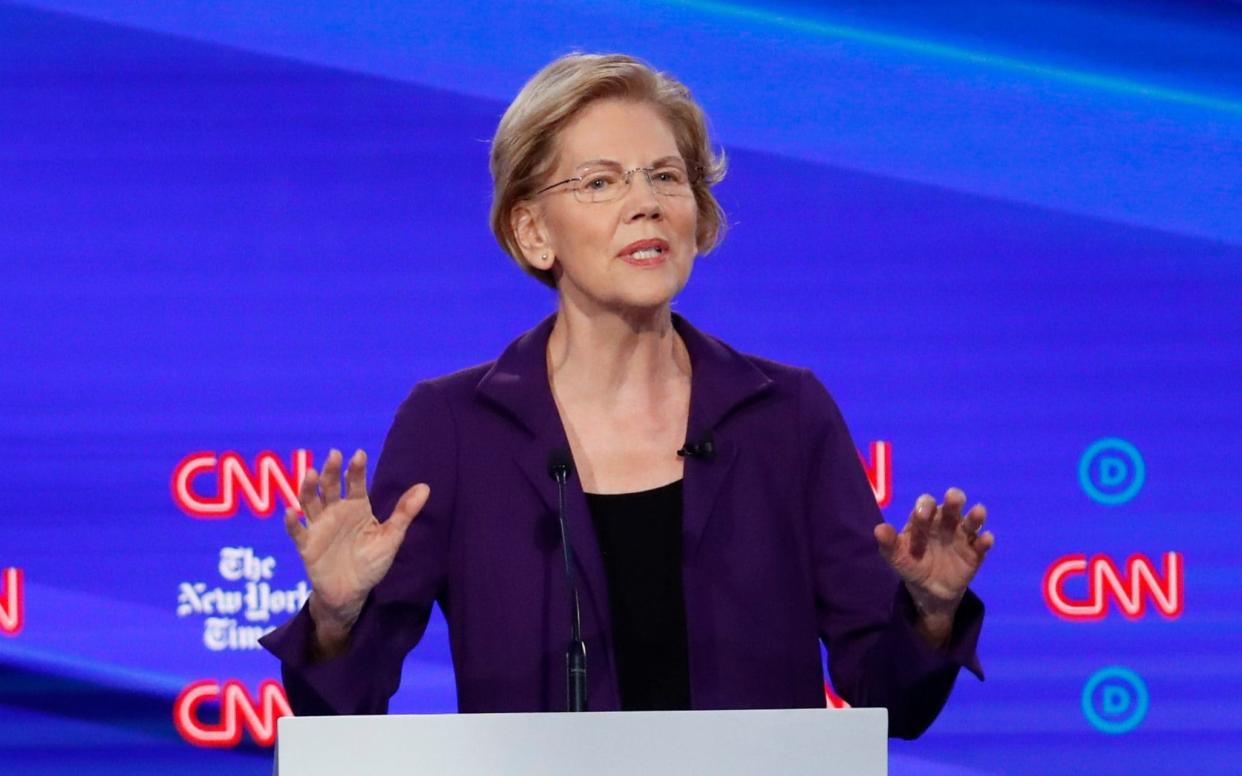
column 1007, row 236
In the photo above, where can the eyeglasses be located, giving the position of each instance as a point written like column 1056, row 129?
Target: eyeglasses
column 604, row 181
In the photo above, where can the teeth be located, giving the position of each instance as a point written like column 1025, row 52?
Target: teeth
column 647, row 253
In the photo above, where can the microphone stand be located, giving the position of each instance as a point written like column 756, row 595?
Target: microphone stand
column 575, row 656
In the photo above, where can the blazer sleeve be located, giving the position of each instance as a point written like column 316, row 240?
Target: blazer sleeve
column 866, row 617
column 421, row 446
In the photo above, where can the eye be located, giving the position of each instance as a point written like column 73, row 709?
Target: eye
column 600, row 181
column 671, row 175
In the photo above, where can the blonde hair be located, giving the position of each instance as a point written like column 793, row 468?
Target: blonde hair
column 523, row 150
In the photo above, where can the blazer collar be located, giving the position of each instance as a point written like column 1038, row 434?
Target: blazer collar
column 721, row 380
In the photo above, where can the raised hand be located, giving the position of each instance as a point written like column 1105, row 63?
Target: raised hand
column 345, row 549
column 937, row 554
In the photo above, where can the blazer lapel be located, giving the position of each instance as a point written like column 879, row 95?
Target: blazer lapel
column 722, row 380
column 518, row 384
column 588, row 560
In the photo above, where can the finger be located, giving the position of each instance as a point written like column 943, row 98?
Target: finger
column 984, row 543
column 331, row 484
column 356, row 475
column 886, row 540
column 297, row 531
column 408, row 507
column 973, row 521
column 920, row 524
column 950, row 514
column 308, row 496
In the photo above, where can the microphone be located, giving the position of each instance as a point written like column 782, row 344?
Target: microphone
column 560, row 466
column 701, row 448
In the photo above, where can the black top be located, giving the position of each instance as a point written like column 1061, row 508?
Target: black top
column 640, row 537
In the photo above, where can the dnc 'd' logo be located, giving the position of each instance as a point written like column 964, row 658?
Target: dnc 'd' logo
column 1115, row 700
column 1111, row 471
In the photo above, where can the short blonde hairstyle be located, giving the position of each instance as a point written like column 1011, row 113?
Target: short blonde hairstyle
column 524, row 148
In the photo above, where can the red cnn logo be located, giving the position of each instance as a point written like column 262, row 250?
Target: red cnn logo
column 237, row 710
column 880, row 471
column 12, row 602
column 834, row 701
column 1129, row 589
column 235, row 482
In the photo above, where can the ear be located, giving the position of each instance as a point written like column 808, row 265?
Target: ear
column 526, row 221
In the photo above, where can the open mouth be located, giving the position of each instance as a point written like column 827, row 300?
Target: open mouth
column 645, row 252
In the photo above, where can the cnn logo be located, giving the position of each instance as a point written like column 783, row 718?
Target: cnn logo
column 238, row 710
column 880, row 471
column 833, row 701
column 1129, row 587
column 236, row 483
column 12, row 602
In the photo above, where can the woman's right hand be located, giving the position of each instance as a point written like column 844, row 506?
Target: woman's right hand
column 345, row 549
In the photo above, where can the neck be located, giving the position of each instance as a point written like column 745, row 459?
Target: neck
column 602, row 356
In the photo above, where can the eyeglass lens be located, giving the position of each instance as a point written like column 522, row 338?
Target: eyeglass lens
column 602, row 182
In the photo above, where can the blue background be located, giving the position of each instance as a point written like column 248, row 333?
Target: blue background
column 997, row 231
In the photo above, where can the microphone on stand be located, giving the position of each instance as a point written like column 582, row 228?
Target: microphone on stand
column 560, row 466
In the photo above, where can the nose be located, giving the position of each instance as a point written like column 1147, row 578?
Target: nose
column 641, row 200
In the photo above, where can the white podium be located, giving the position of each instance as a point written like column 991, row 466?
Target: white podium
column 789, row 742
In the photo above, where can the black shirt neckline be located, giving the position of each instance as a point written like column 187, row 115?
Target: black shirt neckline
column 636, row 493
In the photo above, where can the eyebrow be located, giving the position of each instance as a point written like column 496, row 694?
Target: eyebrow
column 614, row 163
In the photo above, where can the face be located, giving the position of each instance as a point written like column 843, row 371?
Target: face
column 591, row 245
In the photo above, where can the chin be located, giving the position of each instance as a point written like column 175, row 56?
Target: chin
column 645, row 290
column 650, row 292
column 652, row 304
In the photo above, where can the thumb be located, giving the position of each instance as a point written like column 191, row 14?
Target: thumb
column 408, row 507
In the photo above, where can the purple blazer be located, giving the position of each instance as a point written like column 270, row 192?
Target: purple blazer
column 778, row 555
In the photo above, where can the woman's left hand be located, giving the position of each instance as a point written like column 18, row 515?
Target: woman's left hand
column 937, row 554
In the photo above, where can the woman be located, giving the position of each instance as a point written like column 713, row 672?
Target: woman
column 719, row 517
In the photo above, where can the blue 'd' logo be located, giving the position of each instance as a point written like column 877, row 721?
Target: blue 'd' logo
column 1115, row 700
column 1111, row 471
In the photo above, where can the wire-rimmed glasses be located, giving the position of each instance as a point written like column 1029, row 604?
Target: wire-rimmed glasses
column 603, row 180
